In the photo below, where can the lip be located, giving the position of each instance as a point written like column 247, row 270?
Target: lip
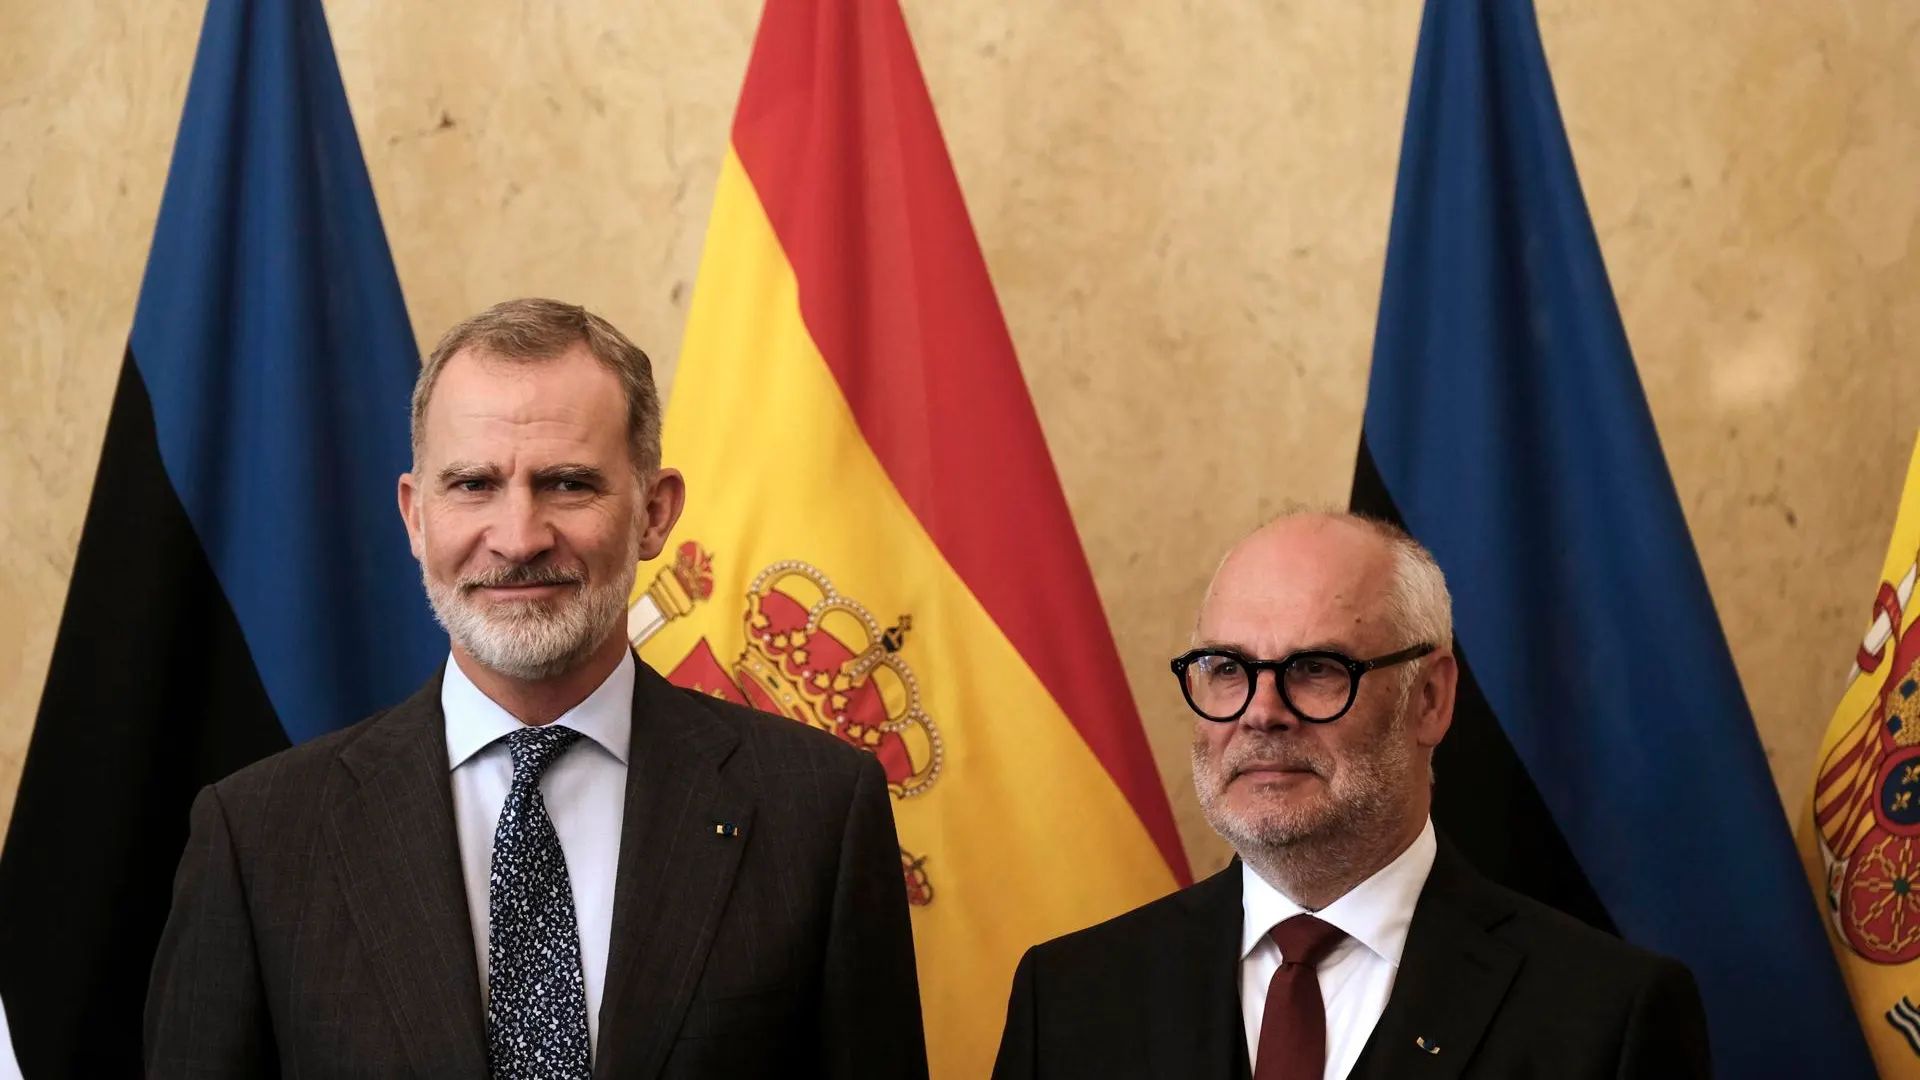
column 1274, row 767
column 521, row 592
column 1274, row 771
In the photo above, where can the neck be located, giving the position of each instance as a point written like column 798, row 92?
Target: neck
column 1318, row 870
column 543, row 701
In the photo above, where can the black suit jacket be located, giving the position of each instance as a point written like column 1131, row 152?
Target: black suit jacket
column 320, row 928
column 1500, row 985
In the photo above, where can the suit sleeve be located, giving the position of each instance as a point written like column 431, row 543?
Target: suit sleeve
column 1017, row 1056
column 870, row 995
column 1667, row 1029
column 206, row 1015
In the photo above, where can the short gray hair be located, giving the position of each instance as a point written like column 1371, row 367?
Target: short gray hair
column 533, row 330
column 1419, row 605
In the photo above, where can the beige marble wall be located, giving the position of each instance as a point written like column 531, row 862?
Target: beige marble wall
column 1184, row 210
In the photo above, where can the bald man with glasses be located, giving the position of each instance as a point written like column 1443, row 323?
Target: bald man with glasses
column 1345, row 939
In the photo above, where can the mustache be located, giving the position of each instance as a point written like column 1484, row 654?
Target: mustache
column 1246, row 755
column 507, row 577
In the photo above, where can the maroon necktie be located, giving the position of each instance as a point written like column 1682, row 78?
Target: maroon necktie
column 1293, row 1030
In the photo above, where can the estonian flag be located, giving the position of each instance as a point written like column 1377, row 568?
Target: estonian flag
column 243, row 580
column 1602, row 756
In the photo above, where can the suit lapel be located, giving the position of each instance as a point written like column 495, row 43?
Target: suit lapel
column 393, row 842
column 1194, row 1028
column 675, row 872
column 1453, row 976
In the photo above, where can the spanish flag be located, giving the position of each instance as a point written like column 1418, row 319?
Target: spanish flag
column 875, row 541
column 1860, row 830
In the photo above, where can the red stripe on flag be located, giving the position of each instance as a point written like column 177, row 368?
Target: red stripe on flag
column 837, row 133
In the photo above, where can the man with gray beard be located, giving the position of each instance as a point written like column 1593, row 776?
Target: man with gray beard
column 1345, row 940
column 549, row 862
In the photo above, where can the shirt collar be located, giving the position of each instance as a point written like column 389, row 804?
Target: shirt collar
column 475, row 721
column 1376, row 912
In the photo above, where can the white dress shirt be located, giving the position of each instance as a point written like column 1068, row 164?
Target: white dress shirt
column 1357, row 976
column 585, row 790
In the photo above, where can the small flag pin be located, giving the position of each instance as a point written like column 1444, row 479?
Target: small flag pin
column 725, row 828
column 1421, row 1042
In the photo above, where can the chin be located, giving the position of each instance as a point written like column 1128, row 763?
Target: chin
column 1259, row 792
column 1272, row 825
column 520, row 607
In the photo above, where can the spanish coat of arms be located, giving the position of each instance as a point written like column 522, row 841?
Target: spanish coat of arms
column 1866, row 799
column 811, row 655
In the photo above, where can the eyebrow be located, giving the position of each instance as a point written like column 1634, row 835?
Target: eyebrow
column 460, row 471
column 569, row 470
column 457, row 471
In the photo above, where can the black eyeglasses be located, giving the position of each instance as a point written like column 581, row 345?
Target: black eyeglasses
column 1318, row 686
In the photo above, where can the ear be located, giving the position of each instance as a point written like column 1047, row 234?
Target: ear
column 1432, row 705
column 660, row 507
column 410, row 508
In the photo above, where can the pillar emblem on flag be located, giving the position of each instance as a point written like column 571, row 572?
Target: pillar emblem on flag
column 813, row 655
column 1867, row 794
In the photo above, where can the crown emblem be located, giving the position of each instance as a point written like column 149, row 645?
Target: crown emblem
column 814, row 655
column 823, row 659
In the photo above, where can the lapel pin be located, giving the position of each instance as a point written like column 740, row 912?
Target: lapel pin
column 1421, row 1042
column 726, row 828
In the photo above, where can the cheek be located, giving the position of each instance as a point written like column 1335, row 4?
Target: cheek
column 1210, row 740
column 1212, row 743
column 601, row 537
column 448, row 537
column 1361, row 743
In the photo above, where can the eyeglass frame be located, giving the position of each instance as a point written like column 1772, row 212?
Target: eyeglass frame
column 1355, row 669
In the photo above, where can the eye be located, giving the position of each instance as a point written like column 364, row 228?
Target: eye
column 1219, row 667
column 471, row 484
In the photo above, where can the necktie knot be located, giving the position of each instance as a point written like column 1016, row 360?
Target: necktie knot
column 1306, row 940
column 535, row 748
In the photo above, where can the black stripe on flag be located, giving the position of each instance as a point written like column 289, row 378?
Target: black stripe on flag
column 1484, row 800
column 151, row 695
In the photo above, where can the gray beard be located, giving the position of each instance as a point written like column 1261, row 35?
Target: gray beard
column 1310, row 854
column 533, row 640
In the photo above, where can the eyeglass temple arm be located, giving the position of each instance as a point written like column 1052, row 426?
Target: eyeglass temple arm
column 1414, row 652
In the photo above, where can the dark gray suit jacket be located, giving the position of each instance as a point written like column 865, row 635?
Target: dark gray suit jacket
column 320, row 927
column 1491, row 985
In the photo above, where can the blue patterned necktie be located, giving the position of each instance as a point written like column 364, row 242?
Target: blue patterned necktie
column 537, row 999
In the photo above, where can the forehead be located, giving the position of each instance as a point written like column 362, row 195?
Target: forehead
column 571, row 397
column 1298, row 584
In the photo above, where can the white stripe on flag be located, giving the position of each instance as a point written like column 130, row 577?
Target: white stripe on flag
column 9, row 1067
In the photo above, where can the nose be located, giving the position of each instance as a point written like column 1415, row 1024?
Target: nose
column 520, row 533
column 1268, row 710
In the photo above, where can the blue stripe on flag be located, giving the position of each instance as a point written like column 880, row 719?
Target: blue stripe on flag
column 274, row 342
